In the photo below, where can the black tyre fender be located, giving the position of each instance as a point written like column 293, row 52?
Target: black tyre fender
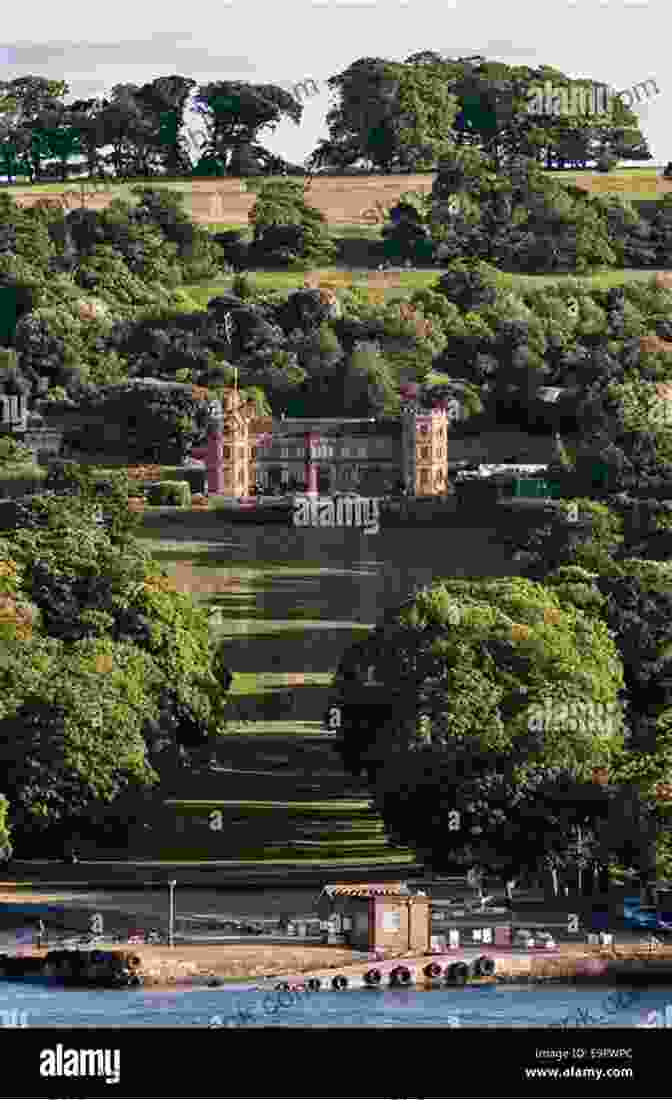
column 401, row 975
column 484, row 967
column 457, row 972
column 432, row 970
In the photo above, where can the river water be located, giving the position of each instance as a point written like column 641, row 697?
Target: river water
column 38, row 1005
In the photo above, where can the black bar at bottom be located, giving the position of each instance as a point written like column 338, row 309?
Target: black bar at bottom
column 335, row 1063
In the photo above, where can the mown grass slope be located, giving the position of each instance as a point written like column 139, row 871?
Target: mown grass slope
column 278, row 783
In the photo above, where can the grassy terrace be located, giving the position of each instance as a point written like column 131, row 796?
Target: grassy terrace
column 407, row 281
column 340, row 830
column 278, row 784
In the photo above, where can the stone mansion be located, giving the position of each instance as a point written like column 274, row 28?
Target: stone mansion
column 336, row 454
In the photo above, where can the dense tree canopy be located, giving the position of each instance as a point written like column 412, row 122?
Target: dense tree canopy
column 475, row 658
column 72, row 729
column 388, row 114
column 457, row 807
column 458, row 768
column 102, row 659
column 90, row 299
column 631, row 596
column 519, row 218
column 414, row 108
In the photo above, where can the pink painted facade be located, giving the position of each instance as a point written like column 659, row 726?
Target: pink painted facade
column 229, row 453
column 312, row 440
column 213, row 455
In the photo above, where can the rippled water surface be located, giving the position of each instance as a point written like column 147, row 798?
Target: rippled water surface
column 496, row 1006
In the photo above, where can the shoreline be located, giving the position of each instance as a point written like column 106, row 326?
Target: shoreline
column 197, row 967
column 192, row 967
column 263, row 964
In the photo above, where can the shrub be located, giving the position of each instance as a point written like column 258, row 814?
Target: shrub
column 197, row 256
column 166, row 422
column 407, row 235
column 24, row 234
column 469, row 284
column 17, row 297
column 287, row 231
column 177, row 493
column 243, row 287
column 12, row 452
column 105, row 272
column 21, row 481
column 8, row 361
column 235, row 249
column 193, row 476
column 6, row 847
column 70, row 479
